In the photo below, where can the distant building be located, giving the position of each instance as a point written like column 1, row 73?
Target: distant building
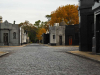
column 10, row 34
column 23, row 36
column 63, row 34
column 72, row 35
column 45, row 38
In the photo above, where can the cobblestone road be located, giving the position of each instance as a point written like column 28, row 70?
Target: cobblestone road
column 36, row 59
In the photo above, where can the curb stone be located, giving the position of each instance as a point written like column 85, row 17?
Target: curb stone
column 83, row 56
column 17, row 46
column 4, row 53
column 60, row 45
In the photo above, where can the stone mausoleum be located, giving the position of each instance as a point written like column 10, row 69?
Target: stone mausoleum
column 86, row 24
column 89, row 12
column 63, row 34
column 45, row 38
column 72, row 34
column 11, row 34
column 96, row 37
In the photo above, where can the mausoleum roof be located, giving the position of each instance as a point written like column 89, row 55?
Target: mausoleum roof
column 62, row 23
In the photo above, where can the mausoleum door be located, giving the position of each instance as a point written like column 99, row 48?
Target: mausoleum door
column 70, row 40
column 60, row 40
column 98, row 33
column 5, row 38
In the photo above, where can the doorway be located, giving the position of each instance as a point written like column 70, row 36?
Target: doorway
column 5, row 38
column 70, row 40
column 60, row 40
column 98, row 33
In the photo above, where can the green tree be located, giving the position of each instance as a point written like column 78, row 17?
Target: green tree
column 48, row 17
column 37, row 23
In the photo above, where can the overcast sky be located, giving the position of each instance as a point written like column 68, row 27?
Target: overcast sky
column 31, row 10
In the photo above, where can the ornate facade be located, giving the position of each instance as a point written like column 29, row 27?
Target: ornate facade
column 11, row 34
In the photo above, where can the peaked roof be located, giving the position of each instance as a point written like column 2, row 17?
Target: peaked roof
column 5, row 21
column 62, row 23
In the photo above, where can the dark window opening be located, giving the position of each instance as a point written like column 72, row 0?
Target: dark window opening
column 14, row 35
column 53, row 36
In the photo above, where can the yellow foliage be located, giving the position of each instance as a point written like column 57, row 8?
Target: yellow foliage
column 40, row 32
column 68, row 12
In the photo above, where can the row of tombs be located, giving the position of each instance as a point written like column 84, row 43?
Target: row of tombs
column 62, row 34
column 86, row 34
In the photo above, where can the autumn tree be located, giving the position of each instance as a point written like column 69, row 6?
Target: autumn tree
column 39, row 33
column 30, row 29
column 34, row 30
column 68, row 12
